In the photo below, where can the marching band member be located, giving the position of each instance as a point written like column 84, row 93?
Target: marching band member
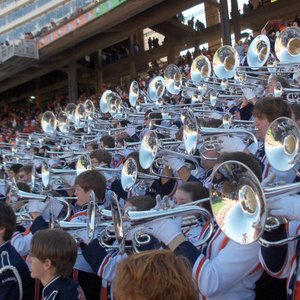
column 52, row 257
column 189, row 192
column 15, row 281
column 84, row 183
column 25, row 174
column 265, row 111
column 223, row 269
column 104, row 262
column 170, row 277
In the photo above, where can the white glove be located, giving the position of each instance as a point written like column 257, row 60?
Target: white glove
column 174, row 163
column 165, row 230
column 296, row 76
column 248, row 93
column 164, row 202
column 286, row 206
column 269, row 181
column 36, row 206
column 81, row 235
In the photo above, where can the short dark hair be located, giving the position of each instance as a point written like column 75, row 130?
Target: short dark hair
column 27, row 169
column 57, row 246
column 15, row 168
column 296, row 110
column 142, row 203
column 23, row 187
column 196, row 189
column 92, row 180
column 247, row 159
column 102, row 156
column 7, row 220
column 271, row 108
column 280, row 79
column 108, row 141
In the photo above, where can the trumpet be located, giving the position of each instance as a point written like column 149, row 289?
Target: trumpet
column 130, row 175
column 292, row 94
column 239, row 204
column 18, row 199
column 150, row 148
column 139, row 219
column 190, row 132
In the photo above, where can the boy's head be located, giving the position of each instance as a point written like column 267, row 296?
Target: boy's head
column 7, row 222
column 52, row 253
column 87, row 181
column 25, row 173
column 101, row 158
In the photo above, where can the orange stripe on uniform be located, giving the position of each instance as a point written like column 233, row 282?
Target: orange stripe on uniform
column 210, row 246
column 103, row 266
column 267, row 170
column 199, row 267
column 83, row 213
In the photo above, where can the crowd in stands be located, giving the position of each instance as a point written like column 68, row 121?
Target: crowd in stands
column 27, row 119
column 184, row 261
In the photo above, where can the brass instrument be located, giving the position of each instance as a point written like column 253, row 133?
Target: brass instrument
column 238, row 203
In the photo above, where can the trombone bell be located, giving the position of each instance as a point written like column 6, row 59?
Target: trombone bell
column 238, row 202
column 282, row 144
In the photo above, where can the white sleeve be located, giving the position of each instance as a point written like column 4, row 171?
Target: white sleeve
column 107, row 270
column 21, row 242
column 226, row 269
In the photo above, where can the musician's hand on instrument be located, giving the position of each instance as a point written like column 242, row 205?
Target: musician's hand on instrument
column 248, row 93
column 174, row 163
column 269, row 181
column 287, row 207
column 165, row 230
column 36, row 207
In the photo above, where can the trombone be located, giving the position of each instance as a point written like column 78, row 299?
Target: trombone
column 151, row 148
column 191, row 130
column 139, row 219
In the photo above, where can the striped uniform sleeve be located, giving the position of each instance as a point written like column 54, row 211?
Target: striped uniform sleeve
column 102, row 262
column 226, row 269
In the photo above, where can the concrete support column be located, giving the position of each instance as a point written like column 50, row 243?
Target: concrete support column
column 235, row 15
column 140, row 40
column 197, row 51
column 73, row 81
column 132, row 68
column 171, row 55
column 37, row 93
column 212, row 17
column 98, row 70
column 225, row 24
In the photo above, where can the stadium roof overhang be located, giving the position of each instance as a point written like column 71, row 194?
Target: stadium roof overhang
column 103, row 32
